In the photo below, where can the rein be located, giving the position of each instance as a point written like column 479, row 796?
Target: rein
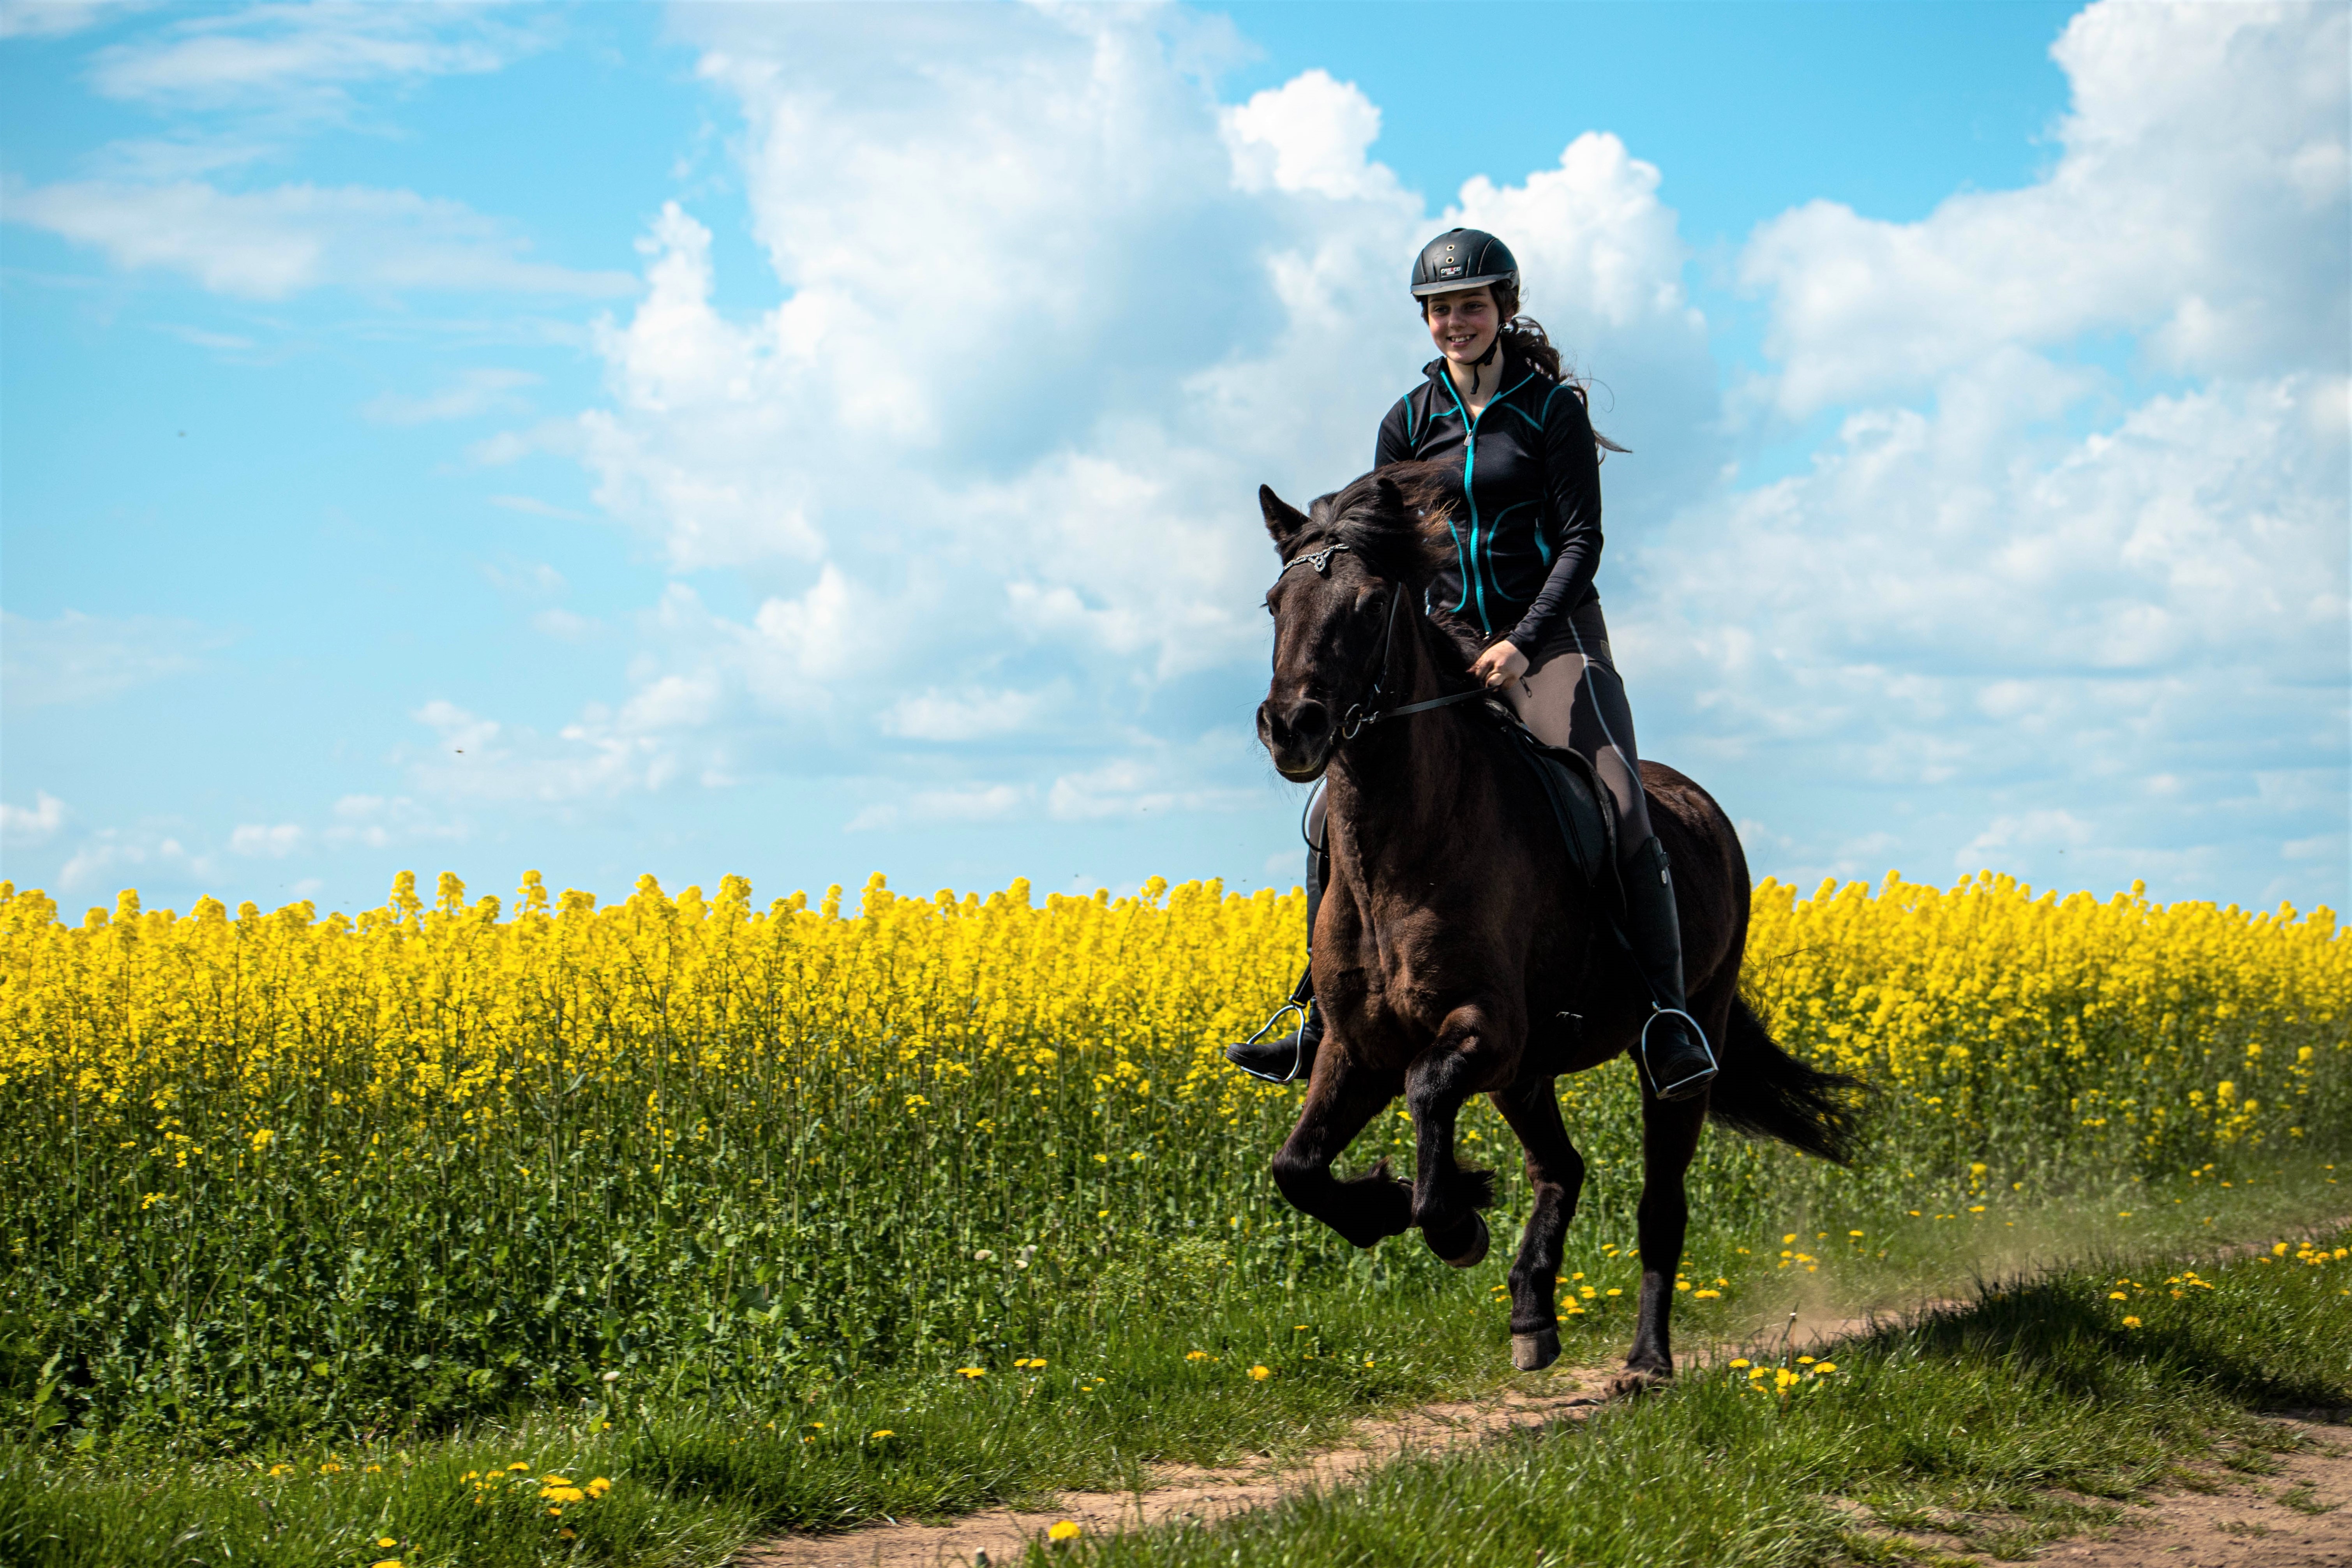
column 1363, row 715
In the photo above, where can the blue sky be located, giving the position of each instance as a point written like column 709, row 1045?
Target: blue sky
column 801, row 441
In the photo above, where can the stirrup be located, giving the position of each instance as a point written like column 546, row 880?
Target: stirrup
column 1297, row 1054
column 1689, row 1081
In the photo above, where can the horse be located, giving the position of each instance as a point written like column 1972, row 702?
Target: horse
column 1457, row 949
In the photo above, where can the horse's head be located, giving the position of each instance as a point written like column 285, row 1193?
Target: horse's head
column 1352, row 564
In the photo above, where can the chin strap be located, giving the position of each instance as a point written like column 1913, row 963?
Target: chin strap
column 1484, row 359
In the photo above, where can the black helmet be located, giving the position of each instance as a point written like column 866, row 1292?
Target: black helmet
column 1463, row 259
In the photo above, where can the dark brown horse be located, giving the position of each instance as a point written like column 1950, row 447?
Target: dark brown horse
column 1457, row 946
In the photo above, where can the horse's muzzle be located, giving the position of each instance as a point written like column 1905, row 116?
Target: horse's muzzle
column 1298, row 735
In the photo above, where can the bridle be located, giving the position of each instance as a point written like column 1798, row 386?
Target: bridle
column 1362, row 716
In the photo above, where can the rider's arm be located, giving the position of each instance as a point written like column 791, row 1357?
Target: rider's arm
column 1395, row 443
column 1572, row 488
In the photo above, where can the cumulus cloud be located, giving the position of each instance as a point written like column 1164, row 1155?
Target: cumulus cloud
column 2200, row 198
column 29, row 826
column 1094, row 309
column 2054, row 628
column 270, row 244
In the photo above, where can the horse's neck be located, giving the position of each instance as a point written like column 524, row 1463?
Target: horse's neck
column 1399, row 786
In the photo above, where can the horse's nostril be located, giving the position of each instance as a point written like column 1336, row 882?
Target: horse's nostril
column 1309, row 721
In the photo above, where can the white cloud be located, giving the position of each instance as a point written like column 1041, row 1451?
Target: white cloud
column 1310, row 133
column 307, row 57
column 979, row 803
column 56, row 18
column 78, row 659
column 273, row 243
column 30, row 825
column 474, row 392
column 378, row 821
column 1095, row 310
column 2200, row 198
column 113, row 852
column 265, row 840
column 965, row 716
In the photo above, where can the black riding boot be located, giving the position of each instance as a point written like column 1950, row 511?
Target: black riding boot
column 1285, row 1059
column 1288, row 1059
column 1673, row 1052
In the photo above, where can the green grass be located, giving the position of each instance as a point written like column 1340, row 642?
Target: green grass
column 1979, row 1414
column 2029, row 1414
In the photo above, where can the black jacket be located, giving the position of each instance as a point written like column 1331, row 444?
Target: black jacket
column 1526, row 537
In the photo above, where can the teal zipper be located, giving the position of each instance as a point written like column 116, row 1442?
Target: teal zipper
column 1471, row 582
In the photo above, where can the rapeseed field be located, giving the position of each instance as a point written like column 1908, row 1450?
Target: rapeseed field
column 267, row 1175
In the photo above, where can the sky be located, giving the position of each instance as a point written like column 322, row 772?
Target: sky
column 801, row 441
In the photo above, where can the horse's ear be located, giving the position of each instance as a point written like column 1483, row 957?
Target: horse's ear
column 1391, row 500
column 1282, row 520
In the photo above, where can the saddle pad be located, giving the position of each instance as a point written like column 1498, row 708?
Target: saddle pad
column 1581, row 807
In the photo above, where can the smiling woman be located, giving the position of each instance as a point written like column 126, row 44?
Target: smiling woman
column 1498, row 416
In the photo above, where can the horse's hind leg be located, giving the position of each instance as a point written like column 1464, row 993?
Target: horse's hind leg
column 1341, row 1100
column 1446, row 1198
column 1556, row 1172
column 1670, row 1132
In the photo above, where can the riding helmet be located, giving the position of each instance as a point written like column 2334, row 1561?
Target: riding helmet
column 1463, row 259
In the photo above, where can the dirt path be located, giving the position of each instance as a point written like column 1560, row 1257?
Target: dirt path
column 1185, row 1492
column 2243, row 1524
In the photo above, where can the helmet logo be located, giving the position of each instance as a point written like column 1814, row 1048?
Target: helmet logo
column 1450, row 270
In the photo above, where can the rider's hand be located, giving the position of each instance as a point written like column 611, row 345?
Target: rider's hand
column 1500, row 666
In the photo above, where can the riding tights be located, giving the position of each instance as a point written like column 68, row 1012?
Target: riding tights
column 1572, row 698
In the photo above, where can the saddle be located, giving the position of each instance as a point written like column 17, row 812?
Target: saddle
column 1581, row 807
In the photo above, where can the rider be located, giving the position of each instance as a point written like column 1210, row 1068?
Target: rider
column 1526, row 539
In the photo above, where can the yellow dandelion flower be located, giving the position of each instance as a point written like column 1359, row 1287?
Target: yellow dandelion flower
column 1068, row 1530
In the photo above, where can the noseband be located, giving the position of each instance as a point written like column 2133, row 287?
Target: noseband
column 1363, row 715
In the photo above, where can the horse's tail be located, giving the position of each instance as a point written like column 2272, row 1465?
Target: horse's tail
column 1763, row 1091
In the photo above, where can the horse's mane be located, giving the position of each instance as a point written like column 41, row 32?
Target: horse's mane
column 1393, row 517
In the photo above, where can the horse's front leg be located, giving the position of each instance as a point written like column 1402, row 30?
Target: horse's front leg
column 1669, row 1138
column 1446, row 1198
column 1341, row 1100
column 1556, row 1171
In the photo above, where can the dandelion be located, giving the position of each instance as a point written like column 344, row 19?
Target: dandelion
column 2117, row 1296
column 971, row 1372
column 1822, row 1369
column 385, row 1541
column 1739, row 1362
column 1067, row 1530
column 883, row 1432
column 2131, row 1323
column 1260, row 1374
column 1706, row 1295
column 1196, row 1355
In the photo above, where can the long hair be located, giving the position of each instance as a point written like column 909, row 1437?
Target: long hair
column 1523, row 338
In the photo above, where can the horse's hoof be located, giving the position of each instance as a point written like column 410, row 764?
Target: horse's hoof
column 1533, row 1352
column 1636, row 1380
column 1470, row 1253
